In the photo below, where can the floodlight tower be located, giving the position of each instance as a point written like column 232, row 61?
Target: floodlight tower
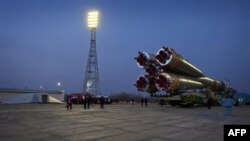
column 91, row 81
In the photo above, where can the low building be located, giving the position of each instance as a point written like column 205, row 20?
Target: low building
column 14, row 96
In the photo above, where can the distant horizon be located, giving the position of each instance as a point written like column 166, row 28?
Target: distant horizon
column 140, row 93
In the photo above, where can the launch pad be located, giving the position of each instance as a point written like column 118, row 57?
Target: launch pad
column 116, row 122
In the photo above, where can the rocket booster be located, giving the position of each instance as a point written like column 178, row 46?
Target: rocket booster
column 146, row 83
column 171, row 82
column 148, row 62
column 170, row 72
column 173, row 62
column 168, row 60
column 214, row 85
column 144, row 59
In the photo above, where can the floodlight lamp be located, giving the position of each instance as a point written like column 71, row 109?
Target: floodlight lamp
column 93, row 19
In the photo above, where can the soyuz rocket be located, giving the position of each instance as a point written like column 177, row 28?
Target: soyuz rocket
column 170, row 72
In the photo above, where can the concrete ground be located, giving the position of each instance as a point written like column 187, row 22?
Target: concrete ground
column 116, row 122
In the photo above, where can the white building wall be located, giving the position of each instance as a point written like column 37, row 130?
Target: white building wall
column 4, row 95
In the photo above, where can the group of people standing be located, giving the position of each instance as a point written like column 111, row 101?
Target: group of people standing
column 144, row 100
column 225, row 102
column 87, row 101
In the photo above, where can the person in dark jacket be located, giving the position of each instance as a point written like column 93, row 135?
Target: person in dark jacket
column 142, row 101
column 69, row 103
column 84, row 101
column 146, row 102
column 161, row 102
column 102, row 100
column 89, row 101
column 209, row 103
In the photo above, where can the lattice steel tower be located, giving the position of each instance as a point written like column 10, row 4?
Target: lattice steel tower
column 91, row 81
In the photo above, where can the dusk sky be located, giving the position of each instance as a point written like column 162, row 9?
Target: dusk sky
column 43, row 42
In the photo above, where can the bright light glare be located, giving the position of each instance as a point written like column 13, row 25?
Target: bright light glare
column 93, row 19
